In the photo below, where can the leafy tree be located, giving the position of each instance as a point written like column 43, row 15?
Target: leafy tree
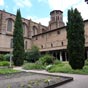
column 18, row 41
column 33, row 54
column 76, row 39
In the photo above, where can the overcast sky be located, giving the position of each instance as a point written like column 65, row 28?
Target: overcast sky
column 39, row 10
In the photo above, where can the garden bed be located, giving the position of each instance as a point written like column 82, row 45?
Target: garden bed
column 32, row 80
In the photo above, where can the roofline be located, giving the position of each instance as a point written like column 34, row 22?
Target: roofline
column 49, row 31
column 55, row 29
column 86, row 20
column 56, row 10
column 22, row 18
column 12, row 14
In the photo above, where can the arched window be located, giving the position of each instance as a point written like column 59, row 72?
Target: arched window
column 9, row 25
column 43, row 30
column 35, row 30
column 25, row 29
column 51, row 45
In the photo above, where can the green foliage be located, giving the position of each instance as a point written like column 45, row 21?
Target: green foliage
column 61, row 67
column 4, row 63
column 65, row 68
column 86, row 62
column 33, row 54
column 18, row 41
column 76, row 39
column 56, row 61
column 46, row 59
column 1, row 57
column 7, row 71
column 30, row 66
column 7, row 57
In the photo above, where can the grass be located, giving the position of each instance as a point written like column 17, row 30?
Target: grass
column 7, row 71
column 62, row 67
column 65, row 68
column 30, row 66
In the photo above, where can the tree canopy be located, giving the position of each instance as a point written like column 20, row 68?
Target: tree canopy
column 18, row 41
column 76, row 39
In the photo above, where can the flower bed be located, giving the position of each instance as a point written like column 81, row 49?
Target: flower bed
column 31, row 80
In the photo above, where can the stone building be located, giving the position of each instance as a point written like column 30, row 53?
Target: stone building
column 50, row 39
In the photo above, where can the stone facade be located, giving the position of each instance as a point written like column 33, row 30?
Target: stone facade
column 50, row 39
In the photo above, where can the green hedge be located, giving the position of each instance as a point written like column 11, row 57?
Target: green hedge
column 30, row 66
column 47, row 59
column 4, row 63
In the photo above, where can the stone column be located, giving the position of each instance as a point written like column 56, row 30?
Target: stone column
column 65, row 56
column 61, row 56
column 87, row 54
column 56, row 54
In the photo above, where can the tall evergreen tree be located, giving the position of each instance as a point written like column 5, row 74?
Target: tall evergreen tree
column 76, row 39
column 18, row 41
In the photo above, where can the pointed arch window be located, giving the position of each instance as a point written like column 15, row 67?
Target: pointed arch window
column 9, row 25
column 35, row 30
column 25, row 29
column 43, row 30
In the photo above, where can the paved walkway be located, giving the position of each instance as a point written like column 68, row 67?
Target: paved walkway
column 80, row 81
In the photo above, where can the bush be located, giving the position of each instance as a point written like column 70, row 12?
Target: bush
column 86, row 62
column 57, row 61
column 1, row 57
column 7, row 57
column 4, row 63
column 33, row 54
column 30, row 66
column 46, row 59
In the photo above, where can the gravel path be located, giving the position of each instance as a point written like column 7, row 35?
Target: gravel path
column 80, row 81
column 26, row 79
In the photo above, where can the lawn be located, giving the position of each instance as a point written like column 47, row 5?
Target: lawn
column 62, row 67
column 7, row 71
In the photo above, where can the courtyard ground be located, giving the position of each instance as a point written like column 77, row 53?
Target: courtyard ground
column 80, row 81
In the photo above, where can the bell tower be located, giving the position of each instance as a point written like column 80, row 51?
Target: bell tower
column 56, row 19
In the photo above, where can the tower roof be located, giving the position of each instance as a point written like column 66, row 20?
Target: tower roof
column 55, row 11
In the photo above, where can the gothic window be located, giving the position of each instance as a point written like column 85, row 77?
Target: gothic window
column 25, row 30
column 43, row 30
column 9, row 25
column 35, row 30
column 41, row 46
column 51, row 45
column 58, row 32
column 62, row 43
column 53, row 18
column 36, row 38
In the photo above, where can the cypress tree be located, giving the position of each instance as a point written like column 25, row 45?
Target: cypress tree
column 76, row 39
column 18, row 41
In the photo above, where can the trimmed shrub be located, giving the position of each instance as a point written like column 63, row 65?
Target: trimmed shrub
column 7, row 57
column 30, row 66
column 86, row 62
column 33, row 54
column 57, row 61
column 1, row 57
column 46, row 59
column 4, row 63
